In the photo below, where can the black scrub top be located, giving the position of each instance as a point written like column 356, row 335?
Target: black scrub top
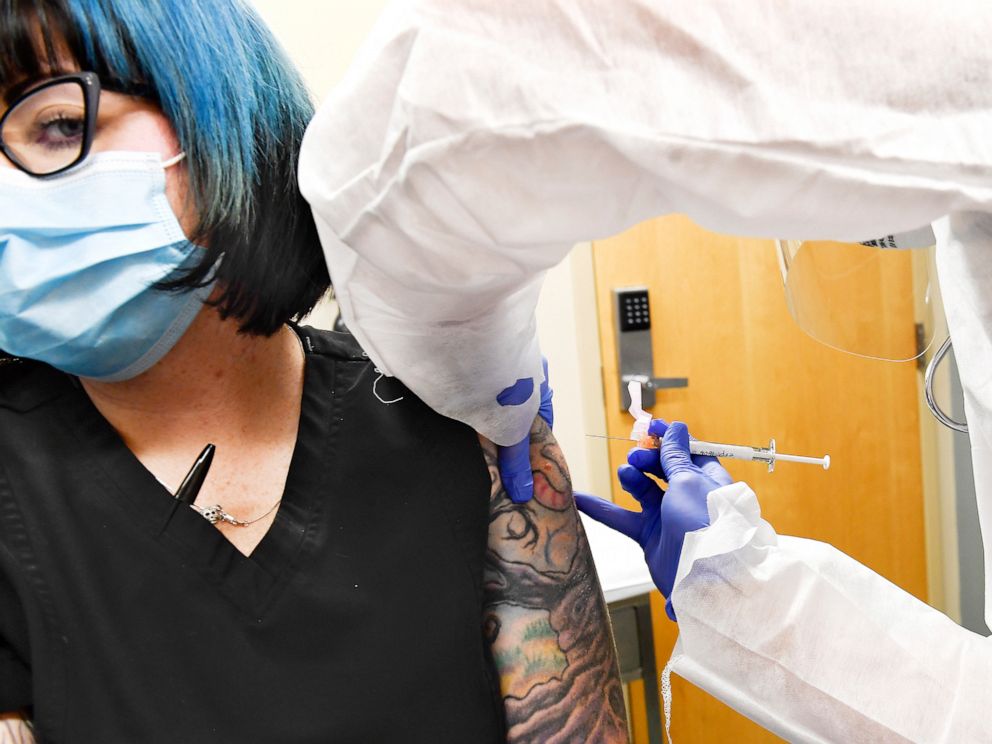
column 124, row 618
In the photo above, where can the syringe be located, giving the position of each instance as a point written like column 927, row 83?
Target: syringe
column 762, row 454
column 639, row 433
column 734, row 451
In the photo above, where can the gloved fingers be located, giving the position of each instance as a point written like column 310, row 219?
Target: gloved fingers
column 606, row 512
column 641, row 487
column 711, row 466
column 646, row 460
column 713, row 469
column 546, row 409
column 657, row 428
column 675, row 457
column 515, row 470
column 701, row 461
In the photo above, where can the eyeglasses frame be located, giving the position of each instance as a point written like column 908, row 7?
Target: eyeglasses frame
column 90, row 84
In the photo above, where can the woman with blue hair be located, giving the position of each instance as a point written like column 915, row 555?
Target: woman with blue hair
column 353, row 570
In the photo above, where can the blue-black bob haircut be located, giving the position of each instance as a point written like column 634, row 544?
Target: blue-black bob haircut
column 239, row 109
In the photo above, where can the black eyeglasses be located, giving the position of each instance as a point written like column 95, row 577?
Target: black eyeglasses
column 50, row 128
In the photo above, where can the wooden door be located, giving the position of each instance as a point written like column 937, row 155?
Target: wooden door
column 719, row 317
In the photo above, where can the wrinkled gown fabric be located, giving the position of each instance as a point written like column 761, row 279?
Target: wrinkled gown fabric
column 472, row 143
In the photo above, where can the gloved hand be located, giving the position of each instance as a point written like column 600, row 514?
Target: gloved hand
column 665, row 518
column 514, row 461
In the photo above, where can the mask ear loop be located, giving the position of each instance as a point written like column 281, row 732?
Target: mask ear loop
column 375, row 392
column 173, row 160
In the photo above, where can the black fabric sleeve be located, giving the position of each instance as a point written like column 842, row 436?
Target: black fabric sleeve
column 15, row 672
column 15, row 680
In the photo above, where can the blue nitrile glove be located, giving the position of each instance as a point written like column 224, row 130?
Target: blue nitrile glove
column 514, row 461
column 665, row 518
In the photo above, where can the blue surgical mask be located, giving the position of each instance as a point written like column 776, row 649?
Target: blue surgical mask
column 79, row 257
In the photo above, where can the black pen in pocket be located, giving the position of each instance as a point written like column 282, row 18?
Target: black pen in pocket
column 189, row 489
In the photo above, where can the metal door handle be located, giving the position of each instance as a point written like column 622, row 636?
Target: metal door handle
column 657, row 383
column 648, row 387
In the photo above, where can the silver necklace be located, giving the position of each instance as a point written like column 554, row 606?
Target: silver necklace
column 216, row 513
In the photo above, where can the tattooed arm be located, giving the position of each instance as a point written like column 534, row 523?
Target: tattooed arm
column 14, row 729
column 545, row 618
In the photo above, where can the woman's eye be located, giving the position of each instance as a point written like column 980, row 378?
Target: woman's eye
column 60, row 131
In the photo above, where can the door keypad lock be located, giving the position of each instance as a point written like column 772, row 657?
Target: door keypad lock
column 634, row 311
column 635, row 358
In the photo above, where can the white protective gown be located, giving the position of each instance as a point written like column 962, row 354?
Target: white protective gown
column 474, row 141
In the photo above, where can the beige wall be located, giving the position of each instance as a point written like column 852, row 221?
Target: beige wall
column 322, row 36
column 569, row 333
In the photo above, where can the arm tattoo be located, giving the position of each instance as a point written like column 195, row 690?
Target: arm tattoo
column 545, row 618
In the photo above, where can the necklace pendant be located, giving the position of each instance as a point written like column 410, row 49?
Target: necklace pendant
column 212, row 514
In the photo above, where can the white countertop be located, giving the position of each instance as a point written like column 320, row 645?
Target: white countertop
column 619, row 562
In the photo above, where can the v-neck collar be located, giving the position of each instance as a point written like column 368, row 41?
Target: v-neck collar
column 250, row 582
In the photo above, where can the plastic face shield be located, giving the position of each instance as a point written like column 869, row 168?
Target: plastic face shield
column 857, row 297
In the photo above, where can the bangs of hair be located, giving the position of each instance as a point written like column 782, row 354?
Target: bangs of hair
column 26, row 54
column 239, row 110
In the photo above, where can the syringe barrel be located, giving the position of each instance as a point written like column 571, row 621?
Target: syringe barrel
column 733, row 451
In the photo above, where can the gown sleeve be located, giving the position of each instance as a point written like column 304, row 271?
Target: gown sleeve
column 815, row 646
column 473, row 142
